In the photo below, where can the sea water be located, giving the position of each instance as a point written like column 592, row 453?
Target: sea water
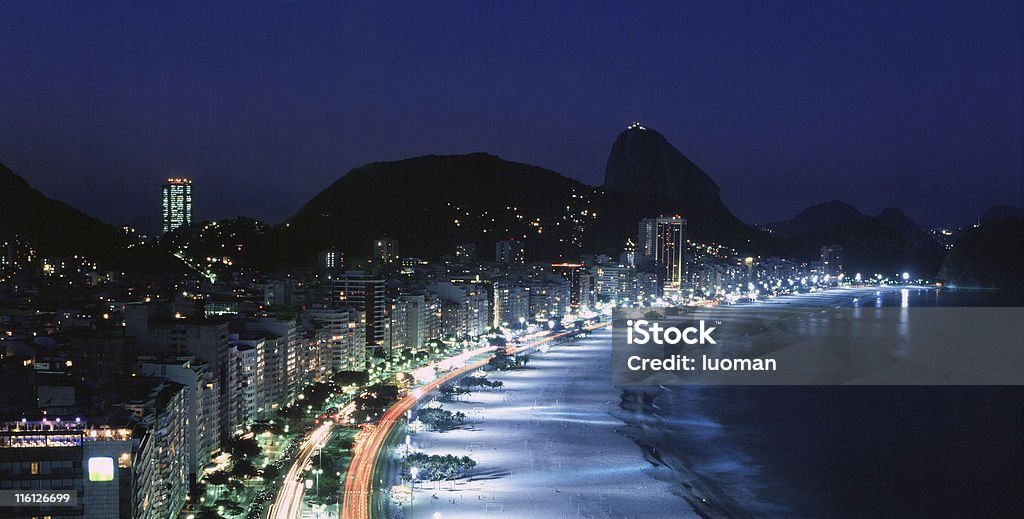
column 839, row 451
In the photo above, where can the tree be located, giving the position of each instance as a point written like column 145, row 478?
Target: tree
column 243, row 448
column 441, row 419
column 244, row 468
column 436, row 467
column 271, row 472
column 344, row 378
column 451, row 391
column 218, row 478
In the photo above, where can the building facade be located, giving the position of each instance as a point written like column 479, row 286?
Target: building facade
column 177, row 204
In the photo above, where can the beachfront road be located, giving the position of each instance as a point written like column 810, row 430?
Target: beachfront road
column 359, row 482
column 288, row 503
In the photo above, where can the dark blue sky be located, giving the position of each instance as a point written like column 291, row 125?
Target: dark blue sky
column 785, row 104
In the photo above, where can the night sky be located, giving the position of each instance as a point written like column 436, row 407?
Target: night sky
column 784, row 104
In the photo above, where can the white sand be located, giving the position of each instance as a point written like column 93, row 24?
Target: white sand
column 546, row 445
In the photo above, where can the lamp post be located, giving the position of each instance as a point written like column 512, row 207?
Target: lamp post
column 339, row 493
column 413, row 472
column 319, row 469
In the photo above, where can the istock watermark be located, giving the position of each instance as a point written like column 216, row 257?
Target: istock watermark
column 764, row 345
column 642, row 331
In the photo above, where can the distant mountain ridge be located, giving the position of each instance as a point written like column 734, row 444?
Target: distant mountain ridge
column 432, row 203
column 895, row 219
column 987, row 256
column 880, row 244
column 828, row 214
column 1001, row 211
column 53, row 226
column 57, row 229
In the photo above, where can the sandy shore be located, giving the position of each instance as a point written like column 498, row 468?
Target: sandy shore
column 549, row 444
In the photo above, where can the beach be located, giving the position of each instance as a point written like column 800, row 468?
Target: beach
column 550, row 443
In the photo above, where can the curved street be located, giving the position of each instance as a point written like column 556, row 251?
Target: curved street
column 288, row 503
column 359, row 482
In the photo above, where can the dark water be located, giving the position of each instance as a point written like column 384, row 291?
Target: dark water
column 851, row 451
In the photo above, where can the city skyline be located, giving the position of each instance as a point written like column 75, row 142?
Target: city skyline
column 876, row 106
column 335, row 260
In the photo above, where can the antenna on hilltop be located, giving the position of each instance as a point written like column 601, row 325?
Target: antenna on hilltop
column 635, row 125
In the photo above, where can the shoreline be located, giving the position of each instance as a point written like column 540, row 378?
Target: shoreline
column 705, row 498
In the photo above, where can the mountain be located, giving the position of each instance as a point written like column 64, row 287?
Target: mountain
column 57, row 229
column 1001, row 211
column 885, row 244
column 646, row 176
column 900, row 222
column 987, row 256
column 816, row 217
column 54, row 227
column 642, row 161
column 432, row 203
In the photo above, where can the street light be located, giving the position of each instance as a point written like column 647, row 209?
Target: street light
column 413, row 472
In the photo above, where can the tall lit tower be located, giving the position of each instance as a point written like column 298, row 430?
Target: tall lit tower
column 385, row 251
column 509, row 252
column 669, row 251
column 662, row 245
column 177, row 203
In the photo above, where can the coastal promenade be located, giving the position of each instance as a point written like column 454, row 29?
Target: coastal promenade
column 360, row 486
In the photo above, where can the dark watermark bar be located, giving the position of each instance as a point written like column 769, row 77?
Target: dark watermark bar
column 766, row 345
column 38, row 498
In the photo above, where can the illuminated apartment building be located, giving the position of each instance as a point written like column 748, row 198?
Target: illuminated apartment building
column 177, row 203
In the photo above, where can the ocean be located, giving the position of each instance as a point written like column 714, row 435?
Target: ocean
column 842, row 451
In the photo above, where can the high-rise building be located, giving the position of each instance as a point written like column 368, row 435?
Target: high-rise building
column 287, row 373
column 549, row 299
column 628, row 255
column 615, row 283
column 340, row 335
column 511, row 305
column 247, row 377
column 662, row 245
column 465, row 309
column 331, row 259
column 177, row 203
column 465, row 253
column 832, row 260
column 365, row 292
column 161, row 334
column 647, row 240
column 160, row 463
column 573, row 273
column 417, row 315
column 509, row 252
column 200, row 404
column 385, row 251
